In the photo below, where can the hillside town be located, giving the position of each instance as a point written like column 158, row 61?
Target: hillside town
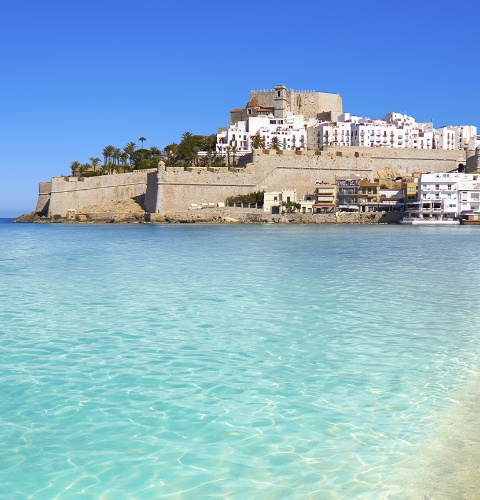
column 263, row 126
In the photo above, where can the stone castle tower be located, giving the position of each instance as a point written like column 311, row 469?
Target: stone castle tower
column 281, row 101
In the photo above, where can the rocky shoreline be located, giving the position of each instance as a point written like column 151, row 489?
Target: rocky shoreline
column 216, row 216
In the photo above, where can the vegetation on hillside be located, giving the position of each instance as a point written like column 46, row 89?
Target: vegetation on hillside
column 182, row 155
column 116, row 160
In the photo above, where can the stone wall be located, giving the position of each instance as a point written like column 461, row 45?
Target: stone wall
column 231, row 216
column 269, row 171
column 306, row 103
column 67, row 193
column 473, row 161
column 44, row 191
column 170, row 190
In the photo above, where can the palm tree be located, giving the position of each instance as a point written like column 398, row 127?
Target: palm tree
column 95, row 162
column 85, row 167
column 142, row 140
column 123, row 160
column 258, row 142
column 116, row 155
column 275, row 143
column 129, row 149
column 228, row 149
column 75, row 167
column 209, row 145
column 172, row 152
column 107, row 153
column 154, row 151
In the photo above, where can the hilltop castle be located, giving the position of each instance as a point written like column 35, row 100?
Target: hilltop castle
column 280, row 102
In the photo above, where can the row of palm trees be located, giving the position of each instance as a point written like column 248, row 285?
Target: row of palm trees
column 182, row 154
column 118, row 160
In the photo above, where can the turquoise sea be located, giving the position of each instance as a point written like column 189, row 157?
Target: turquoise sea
column 239, row 361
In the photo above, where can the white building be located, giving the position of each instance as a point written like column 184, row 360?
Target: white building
column 474, row 143
column 292, row 132
column 469, row 193
column 438, row 195
column 446, row 138
column 289, row 133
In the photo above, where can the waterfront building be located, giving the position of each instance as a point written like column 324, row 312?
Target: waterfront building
column 368, row 195
column 438, row 195
column 410, row 192
column 347, row 194
column 273, row 201
column 392, row 200
column 469, row 193
column 325, row 198
column 307, row 203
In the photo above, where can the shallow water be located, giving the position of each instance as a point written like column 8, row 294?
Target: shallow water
column 240, row 361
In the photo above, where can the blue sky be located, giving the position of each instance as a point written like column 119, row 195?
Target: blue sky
column 79, row 75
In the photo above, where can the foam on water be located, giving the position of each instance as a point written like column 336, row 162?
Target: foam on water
column 242, row 361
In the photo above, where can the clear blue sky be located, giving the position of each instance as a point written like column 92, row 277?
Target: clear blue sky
column 79, row 75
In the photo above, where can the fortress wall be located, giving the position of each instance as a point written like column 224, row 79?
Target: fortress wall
column 44, row 191
column 308, row 104
column 269, row 171
column 178, row 189
column 172, row 190
column 473, row 161
column 79, row 192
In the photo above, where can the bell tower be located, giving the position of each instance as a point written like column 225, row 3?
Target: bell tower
column 280, row 97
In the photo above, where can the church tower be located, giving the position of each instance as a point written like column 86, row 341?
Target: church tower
column 280, row 93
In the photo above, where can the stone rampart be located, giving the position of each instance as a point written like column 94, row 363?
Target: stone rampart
column 44, row 191
column 67, row 193
column 169, row 190
column 272, row 171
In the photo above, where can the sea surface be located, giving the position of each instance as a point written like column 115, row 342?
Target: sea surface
column 239, row 361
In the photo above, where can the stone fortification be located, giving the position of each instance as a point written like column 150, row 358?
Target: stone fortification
column 280, row 101
column 62, row 194
column 170, row 190
column 178, row 189
column 310, row 104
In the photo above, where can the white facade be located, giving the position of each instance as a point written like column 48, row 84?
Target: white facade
column 464, row 134
column 329, row 134
column 446, row 138
column 469, row 193
column 292, row 132
column 438, row 195
column 395, row 131
column 448, row 194
column 289, row 131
